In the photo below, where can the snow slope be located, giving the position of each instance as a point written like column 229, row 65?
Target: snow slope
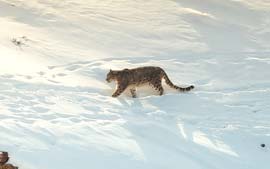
column 55, row 106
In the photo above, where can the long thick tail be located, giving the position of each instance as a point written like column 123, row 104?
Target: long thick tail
column 182, row 89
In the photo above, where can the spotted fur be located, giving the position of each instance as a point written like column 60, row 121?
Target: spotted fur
column 142, row 75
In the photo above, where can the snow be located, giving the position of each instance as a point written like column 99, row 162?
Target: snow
column 56, row 109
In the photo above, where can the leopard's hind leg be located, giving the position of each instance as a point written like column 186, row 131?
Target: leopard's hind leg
column 157, row 86
column 133, row 92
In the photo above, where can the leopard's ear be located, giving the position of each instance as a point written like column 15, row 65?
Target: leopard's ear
column 110, row 70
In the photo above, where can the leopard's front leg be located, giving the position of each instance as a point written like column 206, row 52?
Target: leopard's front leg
column 120, row 89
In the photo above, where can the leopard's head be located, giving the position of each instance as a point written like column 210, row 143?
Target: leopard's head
column 111, row 76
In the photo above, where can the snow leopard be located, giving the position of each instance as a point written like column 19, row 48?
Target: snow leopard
column 132, row 78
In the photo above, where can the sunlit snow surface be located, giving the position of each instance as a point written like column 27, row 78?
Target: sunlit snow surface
column 56, row 110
